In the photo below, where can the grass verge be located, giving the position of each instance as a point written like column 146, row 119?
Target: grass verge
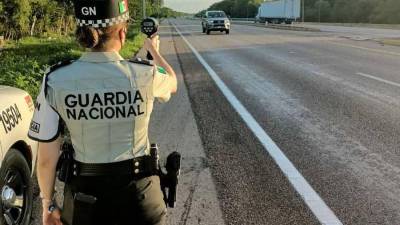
column 395, row 42
column 23, row 62
column 365, row 25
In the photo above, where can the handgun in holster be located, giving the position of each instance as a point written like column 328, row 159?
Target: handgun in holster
column 65, row 163
column 169, row 180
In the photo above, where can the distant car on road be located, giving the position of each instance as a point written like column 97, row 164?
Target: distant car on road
column 215, row 21
column 17, row 156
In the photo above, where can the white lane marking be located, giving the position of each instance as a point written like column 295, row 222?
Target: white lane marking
column 323, row 213
column 378, row 79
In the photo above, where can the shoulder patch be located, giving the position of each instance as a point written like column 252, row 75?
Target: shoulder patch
column 161, row 70
column 141, row 61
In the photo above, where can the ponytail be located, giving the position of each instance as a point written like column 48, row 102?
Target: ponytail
column 88, row 37
column 96, row 38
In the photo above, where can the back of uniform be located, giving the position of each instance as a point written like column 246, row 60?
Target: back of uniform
column 105, row 102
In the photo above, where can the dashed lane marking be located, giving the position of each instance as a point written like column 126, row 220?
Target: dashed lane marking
column 322, row 212
column 378, row 79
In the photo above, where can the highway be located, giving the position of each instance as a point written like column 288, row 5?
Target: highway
column 328, row 100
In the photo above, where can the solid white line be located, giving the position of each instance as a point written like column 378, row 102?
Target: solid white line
column 323, row 213
column 379, row 79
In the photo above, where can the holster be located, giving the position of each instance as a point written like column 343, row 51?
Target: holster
column 65, row 163
column 78, row 208
column 169, row 180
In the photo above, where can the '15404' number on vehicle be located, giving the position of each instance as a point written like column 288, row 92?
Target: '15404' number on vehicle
column 10, row 117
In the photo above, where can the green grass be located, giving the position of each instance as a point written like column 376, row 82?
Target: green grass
column 394, row 42
column 23, row 62
column 134, row 42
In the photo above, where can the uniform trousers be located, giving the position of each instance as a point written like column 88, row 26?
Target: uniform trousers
column 120, row 200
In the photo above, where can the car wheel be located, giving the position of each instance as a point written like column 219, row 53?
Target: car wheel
column 208, row 32
column 16, row 195
column 227, row 31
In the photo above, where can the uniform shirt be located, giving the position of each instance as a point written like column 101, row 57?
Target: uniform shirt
column 105, row 102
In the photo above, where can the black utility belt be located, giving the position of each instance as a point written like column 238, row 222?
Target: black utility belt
column 139, row 167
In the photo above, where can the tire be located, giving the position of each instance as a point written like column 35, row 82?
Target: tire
column 208, row 32
column 227, row 31
column 15, row 175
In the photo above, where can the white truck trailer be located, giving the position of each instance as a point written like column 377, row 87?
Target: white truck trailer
column 282, row 11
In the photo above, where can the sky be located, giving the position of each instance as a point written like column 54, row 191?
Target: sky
column 189, row 6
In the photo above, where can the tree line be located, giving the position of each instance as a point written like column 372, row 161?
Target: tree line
column 338, row 11
column 354, row 11
column 236, row 8
column 20, row 18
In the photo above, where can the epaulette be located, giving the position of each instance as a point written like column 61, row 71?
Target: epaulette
column 141, row 61
column 59, row 65
column 54, row 68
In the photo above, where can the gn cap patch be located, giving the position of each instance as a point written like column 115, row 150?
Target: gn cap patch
column 101, row 13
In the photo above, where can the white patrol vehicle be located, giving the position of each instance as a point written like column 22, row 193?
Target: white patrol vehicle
column 17, row 156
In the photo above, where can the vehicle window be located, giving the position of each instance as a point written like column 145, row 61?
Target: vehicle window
column 216, row 14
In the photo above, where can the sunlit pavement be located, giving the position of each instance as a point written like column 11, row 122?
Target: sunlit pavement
column 328, row 100
column 330, row 103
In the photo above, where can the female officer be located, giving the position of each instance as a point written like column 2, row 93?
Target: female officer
column 105, row 102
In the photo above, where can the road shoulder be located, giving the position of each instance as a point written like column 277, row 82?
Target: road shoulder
column 174, row 128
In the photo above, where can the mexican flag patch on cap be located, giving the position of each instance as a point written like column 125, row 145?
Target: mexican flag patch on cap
column 123, row 6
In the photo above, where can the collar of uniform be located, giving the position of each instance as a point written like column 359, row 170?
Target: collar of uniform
column 101, row 57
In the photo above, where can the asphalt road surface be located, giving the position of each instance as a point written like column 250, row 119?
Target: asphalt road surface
column 329, row 102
